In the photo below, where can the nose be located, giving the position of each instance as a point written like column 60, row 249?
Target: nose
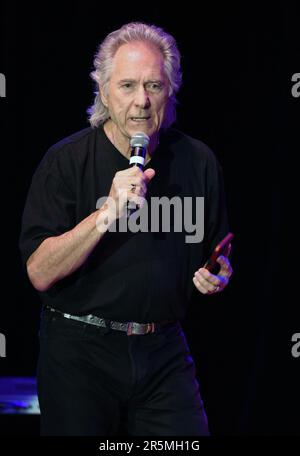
column 142, row 99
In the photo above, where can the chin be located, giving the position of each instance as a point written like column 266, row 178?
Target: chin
column 149, row 130
column 139, row 128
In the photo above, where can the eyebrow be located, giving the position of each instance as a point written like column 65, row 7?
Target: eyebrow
column 122, row 81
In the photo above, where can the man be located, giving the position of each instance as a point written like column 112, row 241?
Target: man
column 111, row 346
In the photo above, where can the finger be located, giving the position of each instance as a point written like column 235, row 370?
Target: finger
column 209, row 285
column 226, row 269
column 199, row 286
column 137, row 200
column 142, row 188
column 209, row 277
column 137, row 181
column 213, row 283
column 206, row 288
column 139, row 190
column 133, row 171
column 149, row 174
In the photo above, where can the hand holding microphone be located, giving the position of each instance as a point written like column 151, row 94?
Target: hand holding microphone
column 130, row 185
column 139, row 143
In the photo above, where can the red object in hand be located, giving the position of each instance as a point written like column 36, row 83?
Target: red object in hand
column 221, row 249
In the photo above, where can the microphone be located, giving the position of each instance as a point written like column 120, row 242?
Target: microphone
column 139, row 143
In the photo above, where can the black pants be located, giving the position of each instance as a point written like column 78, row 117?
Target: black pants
column 95, row 381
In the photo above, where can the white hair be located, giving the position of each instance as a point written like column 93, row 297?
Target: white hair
column 135, row 31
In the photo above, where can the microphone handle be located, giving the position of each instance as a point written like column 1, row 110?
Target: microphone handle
column 137, row 158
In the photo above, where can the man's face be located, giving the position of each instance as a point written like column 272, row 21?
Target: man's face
column 137, row 91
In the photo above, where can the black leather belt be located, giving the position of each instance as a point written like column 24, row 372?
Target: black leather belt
column 131, row 327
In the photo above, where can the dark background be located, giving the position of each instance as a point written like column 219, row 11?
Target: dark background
column 236, row 97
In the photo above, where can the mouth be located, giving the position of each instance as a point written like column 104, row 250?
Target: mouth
column 140, row 119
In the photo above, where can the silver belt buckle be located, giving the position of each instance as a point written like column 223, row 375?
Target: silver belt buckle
column 150, row 328
column 129, row 328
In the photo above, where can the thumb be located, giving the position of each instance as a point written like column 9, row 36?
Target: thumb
column 149, row 173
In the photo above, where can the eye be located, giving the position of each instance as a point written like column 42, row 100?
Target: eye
column 154, row 86
column 127, row 85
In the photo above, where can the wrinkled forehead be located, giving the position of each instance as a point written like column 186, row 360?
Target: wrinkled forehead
column 138, row 59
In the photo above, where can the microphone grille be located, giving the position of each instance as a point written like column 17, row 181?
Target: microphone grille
column 139, row 139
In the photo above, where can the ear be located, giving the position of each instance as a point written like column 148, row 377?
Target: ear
column 103, row 96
